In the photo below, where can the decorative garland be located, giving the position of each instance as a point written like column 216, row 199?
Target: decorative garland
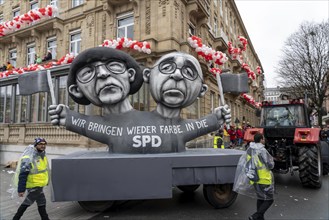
column 209, row 54
column 259, row 70
column 124, row 42
column 215, row 71
column 251, row 100
column 220, row 58
column 68, row 58
column 251, row 74
column 237, row 52
column 26, row 19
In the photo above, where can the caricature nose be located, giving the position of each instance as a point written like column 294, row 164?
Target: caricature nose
column 102, row 71
column 177, row 75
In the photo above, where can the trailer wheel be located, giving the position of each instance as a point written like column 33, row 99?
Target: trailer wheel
column 219, row 195
column 96, row 206
column 188, row 188
column 310, row 166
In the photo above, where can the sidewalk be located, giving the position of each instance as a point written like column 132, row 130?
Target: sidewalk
column 56, row 210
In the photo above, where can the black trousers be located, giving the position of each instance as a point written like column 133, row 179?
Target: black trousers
column 264, row 200
column 34, row 194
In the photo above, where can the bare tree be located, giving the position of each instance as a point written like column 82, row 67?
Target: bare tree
column 304, row 66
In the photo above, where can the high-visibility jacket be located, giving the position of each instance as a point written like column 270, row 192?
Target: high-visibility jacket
column 38, row 175
column 217, row 140
column 264, row 174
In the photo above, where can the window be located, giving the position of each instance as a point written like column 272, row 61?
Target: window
column 191, row 30
column 212, row 101
column 76, row 3
column 192, row 111
column 230, row 22
column 16, row 12
column 13, row 57
column 54, row 3
column 30, row 54
column 20, row 107
column 75, row 42
column 215, row 25
column 7, row 103
column 62, row 91
column 34, row 4
column 221, row 7
column 140, row 99
column 52, row 45
column 126, row 26
column 2, row 103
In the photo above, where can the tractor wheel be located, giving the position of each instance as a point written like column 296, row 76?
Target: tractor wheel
column 310, row 166
column 188, row 188
column 96, row 206
column 325, row 169
column 219, row 195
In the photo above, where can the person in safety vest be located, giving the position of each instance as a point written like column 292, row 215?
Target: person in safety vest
column 218, row 139
column 264, row 186
column 32, row 175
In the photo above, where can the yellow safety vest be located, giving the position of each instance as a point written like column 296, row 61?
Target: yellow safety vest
column 216, row 140
column 264, row 174
column 38, row 176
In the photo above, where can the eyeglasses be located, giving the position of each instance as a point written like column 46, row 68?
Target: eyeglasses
column 87, row 73
column 169, row 67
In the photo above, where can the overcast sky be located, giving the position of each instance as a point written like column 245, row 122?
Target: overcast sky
column 270, row 23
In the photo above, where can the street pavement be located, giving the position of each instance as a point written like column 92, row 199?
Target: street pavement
column 292, row 202
column 56, row 210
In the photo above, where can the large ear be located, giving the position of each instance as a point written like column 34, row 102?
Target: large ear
column 203, row 91
column 75, row 91
column 132, row 73
column 146, row 75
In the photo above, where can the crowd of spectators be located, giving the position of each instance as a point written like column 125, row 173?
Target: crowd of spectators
column 7, row 66
column 235, row 134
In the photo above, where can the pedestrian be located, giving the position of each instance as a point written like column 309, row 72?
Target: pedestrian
column 323, row 134
column 9, row 66
column 3, row 68
column 261, row 184
column 38, row 59
column 31, row 176
column 48, row 56
column 232, row 134
column 226, row 137
column 239, row 135
column 327, row 132
column 218, row 139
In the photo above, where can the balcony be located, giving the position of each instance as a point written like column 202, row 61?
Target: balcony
column 32, row 30
column 117, row 2
column 221, row 40
column 198, row 9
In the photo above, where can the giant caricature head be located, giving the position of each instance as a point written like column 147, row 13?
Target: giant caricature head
column 103, row 76
column 176, row 80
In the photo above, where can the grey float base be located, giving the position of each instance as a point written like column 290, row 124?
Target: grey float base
column 97, row 176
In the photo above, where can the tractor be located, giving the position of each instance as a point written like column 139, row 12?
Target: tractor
column 293, row 143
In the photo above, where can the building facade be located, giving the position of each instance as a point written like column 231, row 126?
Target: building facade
column 81, row 24
column 272, row 94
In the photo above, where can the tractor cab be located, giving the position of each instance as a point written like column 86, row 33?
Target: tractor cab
column 284, row 114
